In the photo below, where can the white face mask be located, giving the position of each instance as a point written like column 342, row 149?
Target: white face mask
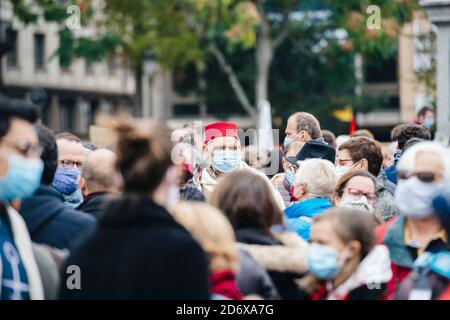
column 341, row 170
column 357, row 203
column 414, row 197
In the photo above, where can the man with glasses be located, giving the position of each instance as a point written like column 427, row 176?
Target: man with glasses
column 423, row 173
column 71, row 155
column 20, row 174
column 48, row 219
column 362, row 153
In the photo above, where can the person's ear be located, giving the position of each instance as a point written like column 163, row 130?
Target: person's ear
column 300, row 190
column 82, row 184
column 364, row 164
column 303, row 136
column 354, row 249
column 336, row 200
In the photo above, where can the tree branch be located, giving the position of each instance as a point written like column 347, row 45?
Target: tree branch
column 233, row 80
column 265, row 24
column 284, row 29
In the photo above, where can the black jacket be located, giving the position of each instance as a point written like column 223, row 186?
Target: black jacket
column 139, row 252
column 284, row 281
column 252, row 278
column 51, row 222
column 95, row 203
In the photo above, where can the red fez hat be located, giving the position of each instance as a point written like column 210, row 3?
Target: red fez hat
column 220, row 129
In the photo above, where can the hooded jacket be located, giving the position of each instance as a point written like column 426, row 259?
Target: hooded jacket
column 298, row 216
column 282, row 277
column 51, row 222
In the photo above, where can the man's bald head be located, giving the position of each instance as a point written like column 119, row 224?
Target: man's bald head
column 97, row 172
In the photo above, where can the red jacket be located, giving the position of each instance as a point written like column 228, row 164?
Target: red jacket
column 392, row 234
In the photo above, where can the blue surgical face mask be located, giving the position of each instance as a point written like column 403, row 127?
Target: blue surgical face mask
column 287, row 141
column 428, row 123
column 324, row 261
column 289, row 176
column 65, row 181
column 22, row 179
column 225, row 160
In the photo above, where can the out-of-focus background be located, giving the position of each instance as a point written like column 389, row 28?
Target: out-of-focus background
column 370, row 62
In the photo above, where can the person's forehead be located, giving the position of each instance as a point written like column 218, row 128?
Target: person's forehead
column 343, row 154
column 68, row 148
column 21, row 130
column 320, row 229
column 224, row 141
column 364, row 184
column 429, row 161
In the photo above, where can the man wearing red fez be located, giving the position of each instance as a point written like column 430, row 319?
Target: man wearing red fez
column 222, row 149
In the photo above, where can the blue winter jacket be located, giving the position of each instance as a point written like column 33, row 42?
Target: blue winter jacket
column 308, row 208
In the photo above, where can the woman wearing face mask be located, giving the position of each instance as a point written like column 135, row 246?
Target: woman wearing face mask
column 138, row 247
column 423, row 171
column 343, row 261
column 247, row 202
column 20, row 176
column 356, row 189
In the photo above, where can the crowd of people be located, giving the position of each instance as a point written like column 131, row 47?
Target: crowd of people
column 342, row 218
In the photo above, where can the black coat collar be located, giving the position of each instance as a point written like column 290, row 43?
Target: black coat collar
column 255, row 236
column 132, row 209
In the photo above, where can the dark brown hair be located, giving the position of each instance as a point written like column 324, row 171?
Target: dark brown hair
column 342, row 182
column 365, row 148
column 247, row 201
column 143, row 154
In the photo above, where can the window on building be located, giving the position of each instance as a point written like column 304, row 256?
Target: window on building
column 67, row 114
column 380, row 72
column 11, row 36
column 39, row 50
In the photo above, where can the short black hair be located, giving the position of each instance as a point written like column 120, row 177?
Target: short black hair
column 15, row 108
column 409, row 131
column 49, row 154
column 411, row 142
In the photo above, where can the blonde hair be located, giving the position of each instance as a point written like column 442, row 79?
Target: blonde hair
column 211, row 229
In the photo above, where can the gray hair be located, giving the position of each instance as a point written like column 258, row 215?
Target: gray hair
column 407, row 161
column 319, row 175
column 307, row 122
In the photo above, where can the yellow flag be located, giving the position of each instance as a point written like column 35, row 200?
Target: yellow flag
column 344, row 115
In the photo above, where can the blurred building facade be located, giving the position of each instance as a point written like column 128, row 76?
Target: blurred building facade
column 70, row 97
column 397, row 79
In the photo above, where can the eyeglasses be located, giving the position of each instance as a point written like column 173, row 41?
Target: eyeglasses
column 342, row 161
column 424, row 176
column 69, row 164
column 371, row 197
column 25, row 148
